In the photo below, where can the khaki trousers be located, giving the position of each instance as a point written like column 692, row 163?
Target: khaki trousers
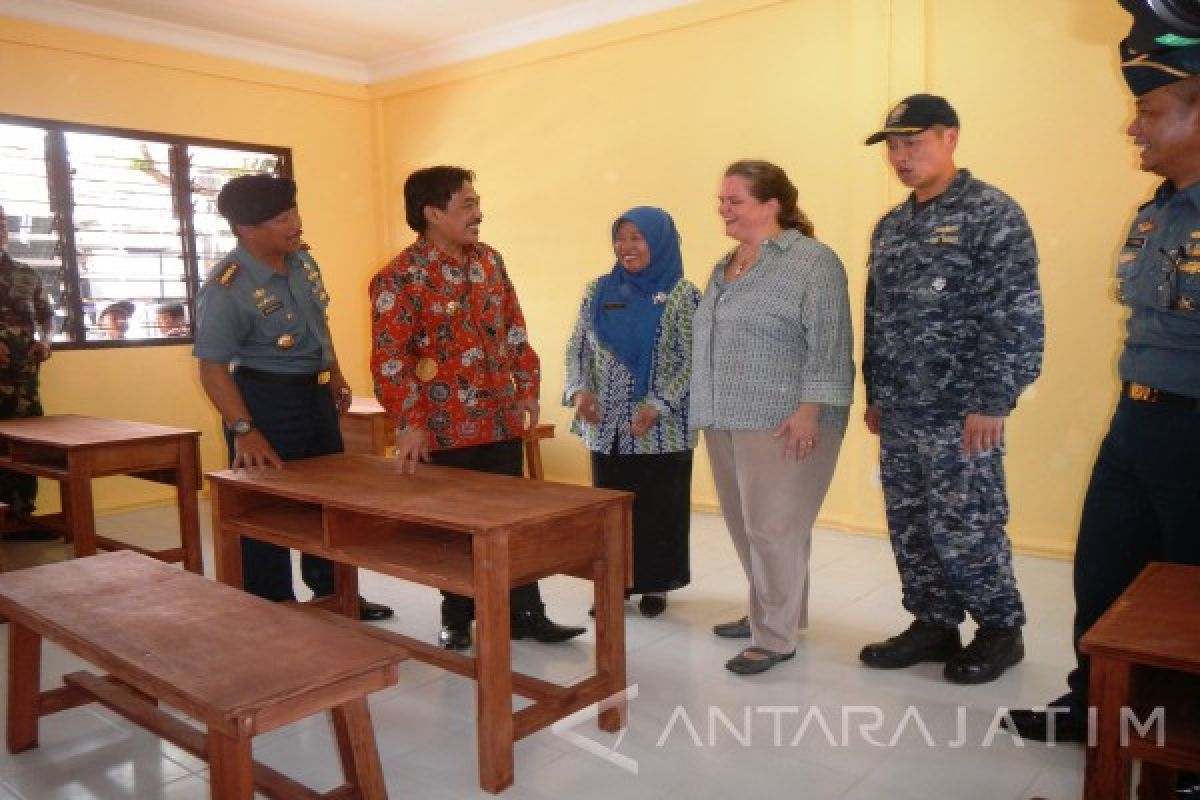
column 769, row 505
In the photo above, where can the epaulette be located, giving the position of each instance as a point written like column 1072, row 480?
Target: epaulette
column 229, row 273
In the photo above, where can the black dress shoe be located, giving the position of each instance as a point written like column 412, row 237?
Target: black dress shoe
column 1036, row 725
column 455, row 637
column 651, row 605
column 1187, row 786
column 373, row 612
column 992, row 651
column 921, row 642
column 536, row 625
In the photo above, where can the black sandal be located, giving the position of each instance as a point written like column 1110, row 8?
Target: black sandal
column 744, row 664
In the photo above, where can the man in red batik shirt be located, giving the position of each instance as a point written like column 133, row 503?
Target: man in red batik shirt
column 453, row 366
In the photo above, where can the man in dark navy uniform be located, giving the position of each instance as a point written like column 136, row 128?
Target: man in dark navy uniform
column 953, row 334
column 1143, row 500
column 262, row 312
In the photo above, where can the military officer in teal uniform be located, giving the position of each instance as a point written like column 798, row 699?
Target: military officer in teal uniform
column 267, row 361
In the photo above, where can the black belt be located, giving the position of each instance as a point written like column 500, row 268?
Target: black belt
column 1148, row 394
column 293, row 378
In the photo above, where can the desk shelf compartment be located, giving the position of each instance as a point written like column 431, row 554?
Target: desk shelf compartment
column 422, row 554
column 290, row 523
column 1178, row 694
column 34, row 459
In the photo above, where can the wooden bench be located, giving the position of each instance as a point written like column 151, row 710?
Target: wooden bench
column 238, row 664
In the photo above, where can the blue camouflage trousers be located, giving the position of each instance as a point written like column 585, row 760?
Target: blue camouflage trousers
column 946, row 513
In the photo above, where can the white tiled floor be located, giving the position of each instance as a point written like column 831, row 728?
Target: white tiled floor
column 818, row 727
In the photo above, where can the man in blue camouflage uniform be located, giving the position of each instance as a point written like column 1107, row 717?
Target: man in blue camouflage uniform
column 953, row 333
column 262, row 312
column 24, row 314
column 1143, row 500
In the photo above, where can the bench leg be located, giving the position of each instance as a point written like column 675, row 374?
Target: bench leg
column 356, row 746
column 24, row 687
column 230, row 767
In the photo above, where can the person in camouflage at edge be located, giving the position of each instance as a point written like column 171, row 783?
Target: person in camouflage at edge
column 953, row 334
column 26, row 324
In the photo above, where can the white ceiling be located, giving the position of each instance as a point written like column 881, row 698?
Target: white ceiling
column 358, row 40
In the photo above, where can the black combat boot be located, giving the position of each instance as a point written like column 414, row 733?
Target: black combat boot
column 921, row 642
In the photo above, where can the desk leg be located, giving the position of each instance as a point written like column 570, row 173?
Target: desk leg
column 77, row 502
column 187, row 477
column 230, row 768
column 610, row 613
column 345, row 587
column 493, row 661
column 24, row 687
column 1107, row 774
column 356, row 746
column 227, row 546
column 1157, row 782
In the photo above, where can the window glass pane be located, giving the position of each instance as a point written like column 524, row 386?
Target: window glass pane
column 211, row 167
column 127, row 236
column 25, row 196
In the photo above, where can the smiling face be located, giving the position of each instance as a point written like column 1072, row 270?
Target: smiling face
column 274, row 238
column 631, row 248
column 746, row 218
column 456, row 226
column 1166, row 128
column 924, row 162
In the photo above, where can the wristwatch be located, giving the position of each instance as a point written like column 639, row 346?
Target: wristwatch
column 241, row 427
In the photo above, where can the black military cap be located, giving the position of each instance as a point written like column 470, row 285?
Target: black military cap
column 915, row 114
column 252, row 199
column 1148, row 69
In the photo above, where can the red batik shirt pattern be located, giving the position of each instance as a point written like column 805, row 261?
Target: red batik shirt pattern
column 450, row 352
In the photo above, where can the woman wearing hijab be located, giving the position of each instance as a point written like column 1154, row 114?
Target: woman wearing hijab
column 629, row 365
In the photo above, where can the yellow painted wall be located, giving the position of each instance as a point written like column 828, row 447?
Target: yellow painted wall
column 62, row 74
column 566, row 134
column 565, row 138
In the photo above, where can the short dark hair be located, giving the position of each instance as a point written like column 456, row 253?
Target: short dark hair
column 172, row 310
column 121, row 308
column 432, row 186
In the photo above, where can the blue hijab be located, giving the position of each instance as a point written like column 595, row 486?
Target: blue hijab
column 627, row 306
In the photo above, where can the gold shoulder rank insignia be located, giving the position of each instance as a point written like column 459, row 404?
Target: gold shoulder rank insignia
column 230, row 272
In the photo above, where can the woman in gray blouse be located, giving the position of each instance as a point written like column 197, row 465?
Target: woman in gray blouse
column 772, row 379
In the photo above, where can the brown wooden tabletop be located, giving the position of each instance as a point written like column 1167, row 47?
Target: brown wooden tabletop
column 73, row 449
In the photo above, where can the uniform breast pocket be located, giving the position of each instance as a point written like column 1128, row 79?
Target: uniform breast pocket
column 1188, row 295
column 932, row 290
column 284, row 328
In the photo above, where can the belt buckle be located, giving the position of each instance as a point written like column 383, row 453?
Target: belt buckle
column 324, row 376
column 1146, row 394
